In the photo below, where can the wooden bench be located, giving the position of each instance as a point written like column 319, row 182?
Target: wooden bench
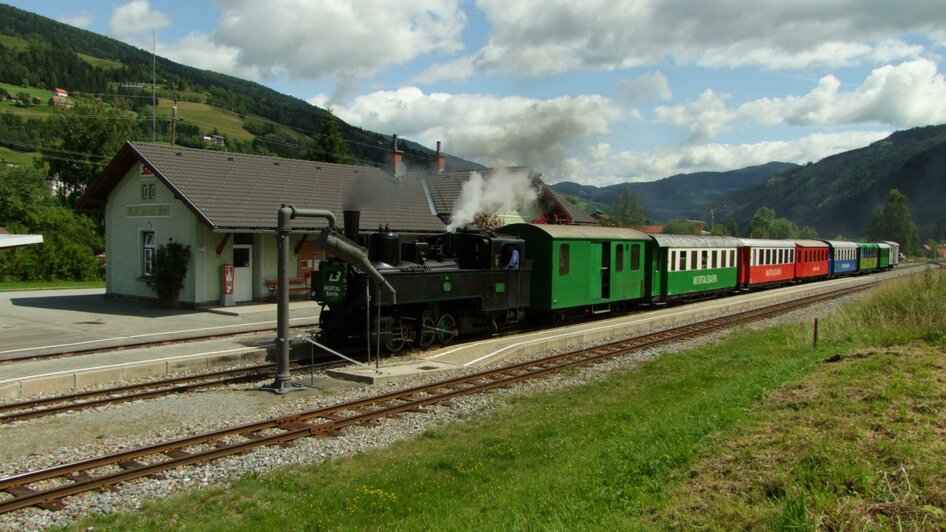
column 296, row 286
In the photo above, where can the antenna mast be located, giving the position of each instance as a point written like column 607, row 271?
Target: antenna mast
column 154, row 90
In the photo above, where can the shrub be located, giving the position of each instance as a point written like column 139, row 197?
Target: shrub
column 168, row 272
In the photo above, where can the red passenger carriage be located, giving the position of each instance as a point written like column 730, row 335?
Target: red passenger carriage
column 811, row 259
column 766, row 262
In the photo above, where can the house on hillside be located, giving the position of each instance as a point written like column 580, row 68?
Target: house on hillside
column 224, row 205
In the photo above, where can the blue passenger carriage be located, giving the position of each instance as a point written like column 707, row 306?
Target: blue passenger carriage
column 843, row 257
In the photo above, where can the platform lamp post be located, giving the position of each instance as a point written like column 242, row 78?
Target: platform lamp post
column 283, row 383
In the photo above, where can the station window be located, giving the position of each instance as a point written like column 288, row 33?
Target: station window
column 619, row 259
column 147, row 253
column 563, row 259
column 635, row 258
column 147, row 191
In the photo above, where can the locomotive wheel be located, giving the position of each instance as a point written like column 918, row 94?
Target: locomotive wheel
column 399, row 336
column 427, row 333
column 446, row 329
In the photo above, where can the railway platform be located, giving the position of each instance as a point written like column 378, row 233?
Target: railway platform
column 100, row 340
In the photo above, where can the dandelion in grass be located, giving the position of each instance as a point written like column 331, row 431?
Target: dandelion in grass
column 372, row 501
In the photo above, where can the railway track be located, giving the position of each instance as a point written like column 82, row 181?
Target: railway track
column 47, row 488
column 48, row 406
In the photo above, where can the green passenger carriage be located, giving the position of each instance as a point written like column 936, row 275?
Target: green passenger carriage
column 688, row 265
column 883, row 255
column 867, row 256
column 584, row 267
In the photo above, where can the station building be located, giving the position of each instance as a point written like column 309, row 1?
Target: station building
column 224, row 206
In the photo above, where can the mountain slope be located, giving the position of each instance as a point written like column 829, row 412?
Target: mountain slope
column 682, row 196
column 837, row 195
column 59, row 55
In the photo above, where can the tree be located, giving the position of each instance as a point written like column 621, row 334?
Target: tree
column 329, row 144
column 70, row 242
column 761, row 222
column 893, row 221
column 628, row 211
column 81, row 141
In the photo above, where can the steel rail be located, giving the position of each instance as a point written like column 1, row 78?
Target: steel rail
column 121, row 394
column 174, row 454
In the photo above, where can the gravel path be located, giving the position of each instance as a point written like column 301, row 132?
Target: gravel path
column 33, row 444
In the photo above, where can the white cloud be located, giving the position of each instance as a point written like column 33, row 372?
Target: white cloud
column 645, row 87
column 199, row 51
column 343, row 40
column 634, row 165
column 704, row 118
column 540, row 37
column 494, row 130
column 905, row 95
column 134, row 22
column 81, row 20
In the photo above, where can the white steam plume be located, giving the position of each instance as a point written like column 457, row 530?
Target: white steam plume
column 502, row 191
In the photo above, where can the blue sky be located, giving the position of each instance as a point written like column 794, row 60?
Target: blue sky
column 598, row 92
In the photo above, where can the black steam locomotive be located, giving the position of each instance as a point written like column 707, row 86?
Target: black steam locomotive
column 433, row 289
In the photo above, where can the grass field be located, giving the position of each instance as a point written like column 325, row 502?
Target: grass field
column 107, row 64
column 207, row 117
column 19, row 157
column 15, row 43
column 50, row 285
column 757, row 431
column 42, row 94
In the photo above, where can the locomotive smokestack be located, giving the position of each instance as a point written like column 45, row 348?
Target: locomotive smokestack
column 351, row 220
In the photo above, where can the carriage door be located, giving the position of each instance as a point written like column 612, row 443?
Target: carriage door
column 605, row 270
column 242, row 272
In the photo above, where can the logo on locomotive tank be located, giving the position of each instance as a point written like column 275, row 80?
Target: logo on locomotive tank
column 705, row 279
column 334, row 283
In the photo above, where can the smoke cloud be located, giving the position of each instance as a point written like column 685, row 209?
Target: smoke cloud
column 504, row 190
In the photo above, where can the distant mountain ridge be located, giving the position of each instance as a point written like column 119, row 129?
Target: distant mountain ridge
column 838, row 194
column 681, row 196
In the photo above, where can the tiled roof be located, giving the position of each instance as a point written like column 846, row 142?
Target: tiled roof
column 239, row 192
column 578, row 216
column 231, row 191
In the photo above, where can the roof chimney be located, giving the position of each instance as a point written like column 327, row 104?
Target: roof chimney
column 439, row 161
column 396, row 159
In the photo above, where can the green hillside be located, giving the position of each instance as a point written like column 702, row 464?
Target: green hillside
column 837, row 195
column 41, row 53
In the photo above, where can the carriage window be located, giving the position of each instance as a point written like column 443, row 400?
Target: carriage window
column 619, row 259
column 682, row 264
column 713, row 255
column 563, row 259
column 704, row 263
column 635, row 258
column 732, row 258
column 694, row 257
column 768, row 256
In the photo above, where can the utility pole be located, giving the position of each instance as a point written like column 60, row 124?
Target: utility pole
column 173, row 120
